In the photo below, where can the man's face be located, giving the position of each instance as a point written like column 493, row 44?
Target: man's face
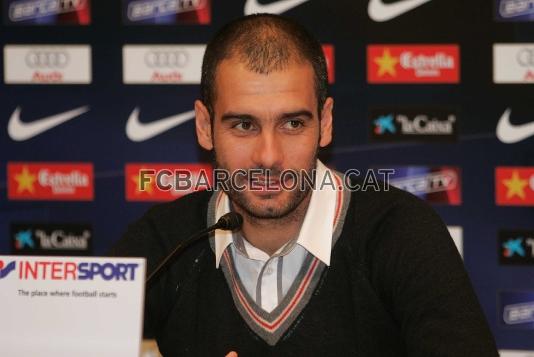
column 265, row 122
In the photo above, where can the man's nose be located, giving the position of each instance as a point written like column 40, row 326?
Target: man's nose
column 268, row 151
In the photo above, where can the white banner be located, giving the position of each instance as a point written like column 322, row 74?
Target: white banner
column 47, row 64
column 516, row 353
column 162, row 64
column 513, row 63
column 457, row 234
column 66, row 306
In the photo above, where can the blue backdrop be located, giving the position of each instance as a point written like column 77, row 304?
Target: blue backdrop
column 99, row 135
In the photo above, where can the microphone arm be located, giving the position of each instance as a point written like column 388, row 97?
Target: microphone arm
column 229, row 221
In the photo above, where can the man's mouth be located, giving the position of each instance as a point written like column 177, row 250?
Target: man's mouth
column 265, row 181
column 264, row 184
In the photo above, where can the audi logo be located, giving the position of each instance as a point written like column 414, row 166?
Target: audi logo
column 47, row 59
column 163, row 58
column 525, row 57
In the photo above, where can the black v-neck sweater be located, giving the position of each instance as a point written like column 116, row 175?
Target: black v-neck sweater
column 396, row 286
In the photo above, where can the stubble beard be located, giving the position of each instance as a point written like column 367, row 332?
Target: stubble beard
column 266, row 211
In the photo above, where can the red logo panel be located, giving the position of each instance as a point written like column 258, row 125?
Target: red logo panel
column 50, row 181
column 328, row 51
column 413, row 64
column 514, row 186
column 165, row 181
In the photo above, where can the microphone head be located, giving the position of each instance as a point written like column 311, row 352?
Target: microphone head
column 230, row 221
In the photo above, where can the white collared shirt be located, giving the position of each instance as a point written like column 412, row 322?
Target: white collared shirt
column 268, row 278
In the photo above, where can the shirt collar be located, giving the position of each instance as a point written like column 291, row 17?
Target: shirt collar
column 317, row 228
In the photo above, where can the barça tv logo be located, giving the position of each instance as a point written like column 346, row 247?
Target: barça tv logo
column 440, row 185
column 514, row 10
column 166, row 12
column 517, row 309
column 47, row 12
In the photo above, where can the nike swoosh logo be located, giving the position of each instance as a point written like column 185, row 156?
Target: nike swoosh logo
column 137, row 131
column 278, row 7
column 20, row 131
column 380, row 12
column 511, row 134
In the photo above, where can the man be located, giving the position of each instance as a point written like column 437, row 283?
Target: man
column 312, row 272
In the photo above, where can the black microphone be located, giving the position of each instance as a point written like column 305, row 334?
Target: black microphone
column 229, row 221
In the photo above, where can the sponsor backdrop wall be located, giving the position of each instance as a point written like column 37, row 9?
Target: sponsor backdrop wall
column 440, row 90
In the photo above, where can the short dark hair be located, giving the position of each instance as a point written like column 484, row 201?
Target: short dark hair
column 264, row 43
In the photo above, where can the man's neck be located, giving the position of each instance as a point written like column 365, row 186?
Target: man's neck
column 269, row 235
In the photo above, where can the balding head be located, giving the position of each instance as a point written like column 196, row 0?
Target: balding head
column 263, row 43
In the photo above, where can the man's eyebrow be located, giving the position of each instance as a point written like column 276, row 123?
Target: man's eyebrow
column 231, row 116
column 298, row 114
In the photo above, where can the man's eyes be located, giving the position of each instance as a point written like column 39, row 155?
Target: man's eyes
column 248, row 125
column 293, row 124
column 243, row 125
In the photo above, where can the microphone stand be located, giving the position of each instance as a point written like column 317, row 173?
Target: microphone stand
column 229, row 221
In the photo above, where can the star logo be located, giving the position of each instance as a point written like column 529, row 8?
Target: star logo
column 25, row 180
column 514, row 246
column 385, row 124
column 24, row 238
column 386, row 64
column 515, row 186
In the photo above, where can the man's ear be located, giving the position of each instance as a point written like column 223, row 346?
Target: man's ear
column 203, row 125
column 326, row 122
